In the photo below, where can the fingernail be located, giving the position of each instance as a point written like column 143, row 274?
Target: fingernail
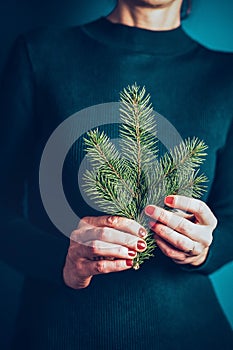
column 169, row 200
column 149, row 210
column 129, row 262
column 141, row 245
column 142, row 232
column 132, row 253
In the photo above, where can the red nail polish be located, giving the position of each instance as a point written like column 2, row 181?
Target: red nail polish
column 129, row 262
column 131, row 253
column 150, row 210
column 142, row 233
column 141, row 245
column 169, row 200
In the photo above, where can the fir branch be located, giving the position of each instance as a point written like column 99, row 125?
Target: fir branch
column 102, row 153
column 125, row 182
column 137, row 135
column 188, row 154
column 138, row 129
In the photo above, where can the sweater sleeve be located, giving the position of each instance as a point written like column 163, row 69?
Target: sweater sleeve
column 221, row 203
column 26, row 248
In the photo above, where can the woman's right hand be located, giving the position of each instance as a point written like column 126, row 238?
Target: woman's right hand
column 109, row 237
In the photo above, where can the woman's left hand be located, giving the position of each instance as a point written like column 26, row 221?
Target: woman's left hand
column 185, row 238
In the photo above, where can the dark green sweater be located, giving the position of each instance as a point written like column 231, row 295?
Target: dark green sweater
column 53, row 73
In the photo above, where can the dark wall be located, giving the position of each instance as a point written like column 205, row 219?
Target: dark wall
column 17, row 16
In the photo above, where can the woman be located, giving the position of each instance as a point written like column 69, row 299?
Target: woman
column 169, row 303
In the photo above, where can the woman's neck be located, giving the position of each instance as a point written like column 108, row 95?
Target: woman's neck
column 147, row 14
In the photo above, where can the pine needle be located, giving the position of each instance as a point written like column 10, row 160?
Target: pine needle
column 124, row 182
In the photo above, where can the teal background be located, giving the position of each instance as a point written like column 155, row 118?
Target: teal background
column 210, row 23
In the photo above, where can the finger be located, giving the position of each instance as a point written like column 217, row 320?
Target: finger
column 116, row 222
column 172, row 220
column 199, row 208
column 103, row 266
column 177, row 256
column 170, row 251
column 109, row 235
column 198, row 233
column 183, row 214
column 194, row 260
column 104, row 249
column 189, row 260
column 176, row 239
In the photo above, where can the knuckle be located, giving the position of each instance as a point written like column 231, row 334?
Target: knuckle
column 161, row 229
column 132, row 225
column 180, row 258
column 112, row 220
column 100, row 266
column 215, row 222
column 174, row 220
column 210, row 240
column 165, row 231
column 85, row 220
column 202, row 207
column 129, row 241
column 79, row 266
column 126, row 240
column 74, row 252
column 101, row 234
column 180, row 243
column 128, row 225
column 199, row 249
column 184, row 226
column 74, row 235
column 207, row 238
column 172, row 254
column 93, row 248
column 118, row 264
column 119, row 250
column 162, row 215
column 71, row 255
column 168, row 251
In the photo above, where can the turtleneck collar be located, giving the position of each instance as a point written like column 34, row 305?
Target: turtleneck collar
column 166, row 42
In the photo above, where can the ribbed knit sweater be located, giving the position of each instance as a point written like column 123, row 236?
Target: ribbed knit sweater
column 53, row 73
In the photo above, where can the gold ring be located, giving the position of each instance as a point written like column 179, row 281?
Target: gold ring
column 191, row 250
